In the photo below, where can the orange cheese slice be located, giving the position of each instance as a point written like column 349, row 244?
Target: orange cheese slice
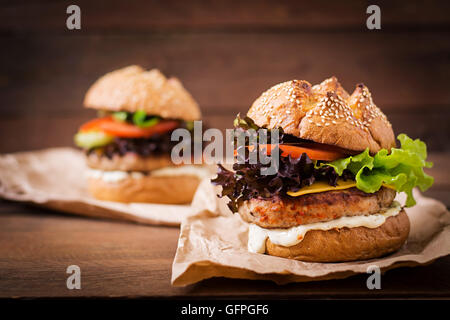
column 323, row 187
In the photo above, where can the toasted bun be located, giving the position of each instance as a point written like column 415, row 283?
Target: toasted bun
column 132, row 88
column 325, row 113
column 347, row 244
column 167, row 190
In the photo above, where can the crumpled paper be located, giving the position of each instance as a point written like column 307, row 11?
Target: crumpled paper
column 213, row 243
column 54, row 178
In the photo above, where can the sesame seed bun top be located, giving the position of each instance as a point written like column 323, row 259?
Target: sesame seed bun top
column 132, row 89
column 325, row 113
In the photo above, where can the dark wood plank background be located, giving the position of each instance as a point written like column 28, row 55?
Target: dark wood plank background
column 226, row 53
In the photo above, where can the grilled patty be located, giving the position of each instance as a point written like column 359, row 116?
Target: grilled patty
column 128, row 162
column 288, row 212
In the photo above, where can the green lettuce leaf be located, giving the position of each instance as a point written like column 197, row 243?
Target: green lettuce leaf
column 402, row 169
column 140, row 119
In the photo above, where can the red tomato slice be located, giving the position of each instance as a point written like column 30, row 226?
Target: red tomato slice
column 296, row 151
column 92, row 124
column 126, row 130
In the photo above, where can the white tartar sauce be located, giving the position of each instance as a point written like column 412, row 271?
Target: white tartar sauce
column 116, row 176
column 257, row 236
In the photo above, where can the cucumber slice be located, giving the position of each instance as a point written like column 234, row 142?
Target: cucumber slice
column 120, row 116
column 92, row 139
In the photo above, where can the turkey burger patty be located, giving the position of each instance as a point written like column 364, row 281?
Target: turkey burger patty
column 286, row 212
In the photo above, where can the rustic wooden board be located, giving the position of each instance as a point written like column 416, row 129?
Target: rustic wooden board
column 223, row 70
column 407, row 73
column 226, row 53
column 129, row 260
column 150, row 15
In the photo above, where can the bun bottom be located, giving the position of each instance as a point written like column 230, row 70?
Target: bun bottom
column 347, row 244
column 164, row 190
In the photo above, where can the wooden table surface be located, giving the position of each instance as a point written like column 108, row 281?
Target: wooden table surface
column 120, row 259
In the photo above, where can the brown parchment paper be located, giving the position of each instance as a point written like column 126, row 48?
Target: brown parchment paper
column 213, row 243
column 55, row 178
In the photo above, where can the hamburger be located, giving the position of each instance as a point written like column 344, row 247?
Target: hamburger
column 128, row 146
column 332, row 196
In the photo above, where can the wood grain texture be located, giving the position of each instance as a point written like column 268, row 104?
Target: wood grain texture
column 223, row 71
column 144, row 16
column 226, row 54
column 129, row 260
column 406, row 72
